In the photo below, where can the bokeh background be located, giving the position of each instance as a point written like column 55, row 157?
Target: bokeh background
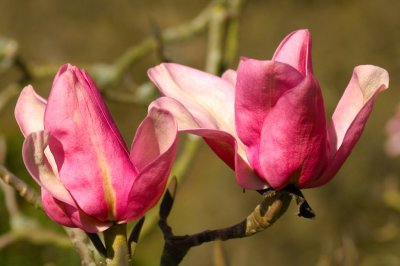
column 354, row 225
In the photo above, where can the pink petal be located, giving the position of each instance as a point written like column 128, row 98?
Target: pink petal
column 227, row 148
column 222, row 143
column 54, row 209
column 366, row 81
column 153, row 152
column 91, row 156
column 69, row 215
column 246, row 177
column 208, row 98
column 184, row 118
column 29, row 111
column 259, row 86
column 33, row 152
column 187, row 123
column 155, row 135
column 351, row 114
column 295, row 50
column 230, row 75
column 293, row 146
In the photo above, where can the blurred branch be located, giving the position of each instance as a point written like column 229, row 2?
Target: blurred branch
column 113, row 73
column 219, row 258
column 216, row 34
column 83, row 246
column 35, row 235
column 25, row 228
column 232, row 33
column 214, row 17
column 25, row 191
column 22, row 227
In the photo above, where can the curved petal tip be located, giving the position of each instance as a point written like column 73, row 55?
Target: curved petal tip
column 371, row 79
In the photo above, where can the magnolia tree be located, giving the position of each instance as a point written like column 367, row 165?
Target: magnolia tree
column 266, row 120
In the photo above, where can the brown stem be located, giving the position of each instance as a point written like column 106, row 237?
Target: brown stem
column 274, row 204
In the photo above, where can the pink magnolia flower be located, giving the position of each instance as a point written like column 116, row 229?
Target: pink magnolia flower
column 76, row 154
column 267, row 119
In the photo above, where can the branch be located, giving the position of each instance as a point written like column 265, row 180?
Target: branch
column 82, row 245
column 232, row 33
column 34, row 235
column 273, row 205
column 25, row 191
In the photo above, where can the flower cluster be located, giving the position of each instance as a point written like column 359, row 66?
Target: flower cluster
column 266, row 120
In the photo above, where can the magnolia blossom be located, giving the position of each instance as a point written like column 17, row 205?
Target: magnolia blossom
column 266, row 120
column 76, row 154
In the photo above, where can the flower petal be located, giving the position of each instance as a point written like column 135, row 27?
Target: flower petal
column 187, row 123
column 184, row 118
column 227, row 148
column 153, row 152
column 69, row 215
column 295, row 50
column 155, row 135
column 91, row 156
column 33, row 153
column 230, row 75
column 367, row 80
column 208, row 98
column 259, row 86
column 351, row 115
column 29, row 111
column 293, row 146
column 222, row 143
column 54, row 209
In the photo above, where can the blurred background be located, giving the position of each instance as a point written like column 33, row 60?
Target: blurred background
column 357, row 213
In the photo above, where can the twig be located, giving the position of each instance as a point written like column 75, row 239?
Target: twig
column 274, row 204
column 216, row 36
column 81, row 243
column 34, row 235
column 232, row 33
column 25, row 191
